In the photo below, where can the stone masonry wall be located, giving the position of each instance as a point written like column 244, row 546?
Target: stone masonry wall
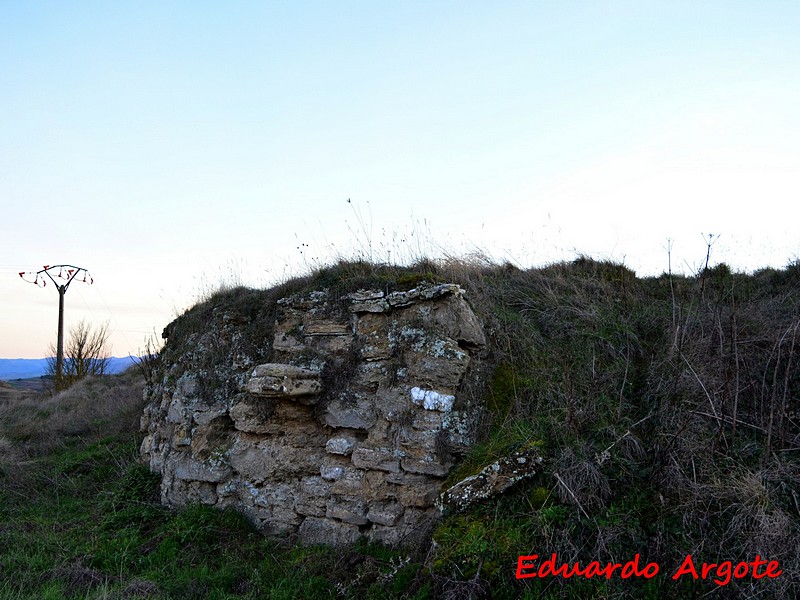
column 348, row 431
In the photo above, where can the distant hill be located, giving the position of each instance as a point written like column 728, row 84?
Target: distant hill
column 26, row 368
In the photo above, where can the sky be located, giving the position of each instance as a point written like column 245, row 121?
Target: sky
column 173, row 147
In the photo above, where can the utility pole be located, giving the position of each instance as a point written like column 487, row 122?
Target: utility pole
column 67, row 273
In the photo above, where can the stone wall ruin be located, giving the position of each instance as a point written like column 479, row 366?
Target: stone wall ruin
column 349, row 430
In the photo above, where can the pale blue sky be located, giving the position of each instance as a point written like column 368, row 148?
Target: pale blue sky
column 168, row 145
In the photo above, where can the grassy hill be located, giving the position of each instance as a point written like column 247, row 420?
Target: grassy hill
column 665, row 409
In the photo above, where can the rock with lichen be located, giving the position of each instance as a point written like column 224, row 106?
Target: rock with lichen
column 492, row 480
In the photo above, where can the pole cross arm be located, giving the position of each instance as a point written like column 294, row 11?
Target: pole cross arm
column 66, row 272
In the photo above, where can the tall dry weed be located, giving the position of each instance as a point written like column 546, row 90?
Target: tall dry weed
column 93, row 408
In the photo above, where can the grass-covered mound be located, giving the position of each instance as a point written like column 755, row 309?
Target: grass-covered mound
column 665, row 408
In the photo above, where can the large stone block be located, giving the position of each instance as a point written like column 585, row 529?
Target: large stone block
column 275, row 380
column 414, row 489
column 427, row 465
column 254, row 463
column 349, row 510
column 413, row 524
column 351, row 483
column 385, row 513
column 314, row 531
column 252, row 414
column 381, row 459
column 327, row 327
column 187, row 468
column 350, row 410
column 315, row 487
column 455, row 319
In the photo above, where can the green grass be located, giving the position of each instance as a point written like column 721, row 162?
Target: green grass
column 89, row 525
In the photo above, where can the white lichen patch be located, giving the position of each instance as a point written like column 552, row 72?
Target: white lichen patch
column 259, row 497
column 229, row 488
column 217, row 458
column 414, row 337
column 331, row 472
column 456, row 422
column 442, row 349
column 340, row 445
column 431, row 400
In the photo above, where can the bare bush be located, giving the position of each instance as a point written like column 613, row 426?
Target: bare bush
column 149, row 359
column 86, row 353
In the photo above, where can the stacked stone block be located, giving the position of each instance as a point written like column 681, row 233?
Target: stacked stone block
column 349, row 432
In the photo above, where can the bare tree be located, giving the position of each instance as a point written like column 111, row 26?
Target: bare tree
column 86, row 353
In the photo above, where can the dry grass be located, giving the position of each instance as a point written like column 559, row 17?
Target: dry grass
column 34, row 424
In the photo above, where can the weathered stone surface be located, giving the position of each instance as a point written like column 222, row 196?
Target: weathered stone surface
column 423, row 493
column 458, row 324
column 440, row 365
column 212, row 471
column 315, row 487
column 382, row 459
column 314, row 531
column 340, row 445
column 274, row 380
column 181, row 436
column 326, row 327
column 252, row 414
column 385, row 513
column 367, row 301
column 202, row 492
column 351, row 483
column 413, row 524
column 310, row 507
column 353, row 411
column 364, row 295
column 281, row 499
column 340, row 425
column 327, row 344
column 413, row 489
column 177, row 410
column 331, row 472
column 372, row 332
column 348, row 510
column 402, row 299
column 212, row 441
column 260, row 460
column 429, row 465
column 202, row 416
column 288, row 335
column 257, row 463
